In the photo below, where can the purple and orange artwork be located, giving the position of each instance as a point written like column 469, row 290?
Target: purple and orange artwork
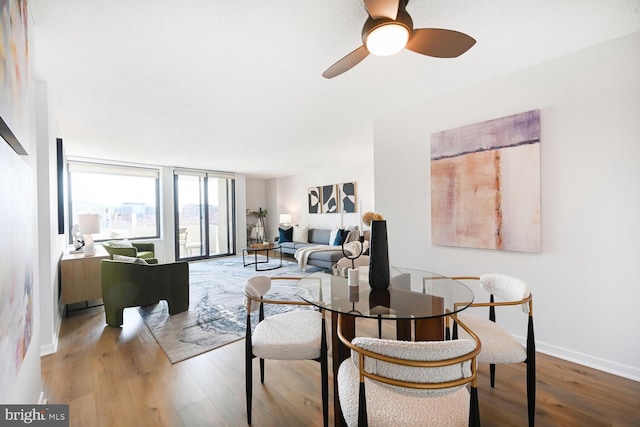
column 14, row 76
column 485, row 184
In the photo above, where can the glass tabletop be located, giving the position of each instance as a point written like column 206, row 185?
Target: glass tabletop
column 412, row 294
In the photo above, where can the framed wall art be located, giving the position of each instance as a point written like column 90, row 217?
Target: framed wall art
column 314, row 198
column 14, row 74
column 16, row 266
column 330, row 198
column 485, row 184
column 347, row 194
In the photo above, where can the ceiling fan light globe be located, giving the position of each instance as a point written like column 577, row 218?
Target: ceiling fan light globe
column 387, row 39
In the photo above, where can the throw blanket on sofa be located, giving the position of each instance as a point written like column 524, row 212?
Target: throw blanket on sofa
column 302, row 254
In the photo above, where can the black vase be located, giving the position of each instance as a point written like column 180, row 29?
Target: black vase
column 379, row 275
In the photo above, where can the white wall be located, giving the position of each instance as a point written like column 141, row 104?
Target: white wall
column 585, row 280
column 50, row 243
column 290, row 195
column 27, row 387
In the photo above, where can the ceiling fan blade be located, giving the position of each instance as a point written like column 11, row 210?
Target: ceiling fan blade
column 440, row 43
column 346, row 63
column 382, row 8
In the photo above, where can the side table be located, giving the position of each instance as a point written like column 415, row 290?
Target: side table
column 260, row 249
column 81, row 280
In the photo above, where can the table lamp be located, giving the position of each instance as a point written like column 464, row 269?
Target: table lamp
column 285, row 219
column 89, row 224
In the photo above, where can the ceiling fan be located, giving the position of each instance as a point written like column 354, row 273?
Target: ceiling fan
column 389, row 29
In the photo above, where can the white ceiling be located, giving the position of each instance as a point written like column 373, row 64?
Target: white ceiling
column 237, row 86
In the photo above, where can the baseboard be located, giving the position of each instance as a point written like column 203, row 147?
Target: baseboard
column 604, row 365
column 614, row 368
column 48, row 349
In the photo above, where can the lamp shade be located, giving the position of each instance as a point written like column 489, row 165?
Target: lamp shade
column 285, row 218
column 89, row 223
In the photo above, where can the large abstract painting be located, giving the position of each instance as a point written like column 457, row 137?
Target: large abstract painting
column 14, row 76
column 485, row 184
column 16, row 277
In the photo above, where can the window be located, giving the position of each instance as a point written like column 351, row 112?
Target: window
column 126, row 198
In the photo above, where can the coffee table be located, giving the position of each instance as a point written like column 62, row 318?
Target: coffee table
column 261, row 249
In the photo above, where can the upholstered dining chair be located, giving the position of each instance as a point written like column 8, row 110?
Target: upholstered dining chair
column 407, row 383
column 290, row 335
column 498, row 345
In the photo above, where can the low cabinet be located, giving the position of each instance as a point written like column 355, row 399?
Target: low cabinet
column 80, row 276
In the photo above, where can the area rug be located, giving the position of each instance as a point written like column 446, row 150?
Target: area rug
column 216, row 316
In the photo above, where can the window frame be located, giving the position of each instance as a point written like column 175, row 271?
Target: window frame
column 121, row 170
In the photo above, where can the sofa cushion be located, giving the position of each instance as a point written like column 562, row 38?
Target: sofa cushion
column 319, row 237
column 325, row 256
column 145, row 254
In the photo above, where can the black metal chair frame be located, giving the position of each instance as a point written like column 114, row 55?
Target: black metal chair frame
column 249, row 356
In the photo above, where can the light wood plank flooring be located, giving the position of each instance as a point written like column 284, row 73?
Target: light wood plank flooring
column 112, row 376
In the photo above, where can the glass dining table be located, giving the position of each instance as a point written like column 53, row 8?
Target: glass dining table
column 416, row 301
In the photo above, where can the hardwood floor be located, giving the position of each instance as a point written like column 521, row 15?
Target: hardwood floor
column 112, row 376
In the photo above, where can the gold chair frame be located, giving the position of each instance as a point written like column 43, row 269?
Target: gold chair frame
column 474, row 411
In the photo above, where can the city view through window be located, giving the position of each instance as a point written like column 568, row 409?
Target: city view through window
column 127, row 205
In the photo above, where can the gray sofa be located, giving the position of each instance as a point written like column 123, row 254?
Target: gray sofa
column 324, row 259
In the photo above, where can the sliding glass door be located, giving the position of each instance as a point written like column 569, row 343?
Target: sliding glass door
column 204, row 207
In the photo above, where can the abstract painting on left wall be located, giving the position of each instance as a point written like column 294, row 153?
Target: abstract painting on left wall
column 17, row 218
column 14, row 74
column 16, row 265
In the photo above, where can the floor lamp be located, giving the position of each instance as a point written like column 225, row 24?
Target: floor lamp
column 89, row 224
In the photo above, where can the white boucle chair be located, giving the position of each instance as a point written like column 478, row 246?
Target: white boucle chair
column 498, row 345
column 404, row 383
column 292, row 335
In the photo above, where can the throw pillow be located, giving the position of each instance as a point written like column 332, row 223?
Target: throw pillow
column 354, row 235
column 338, row 240
column 344, row 234
column 301, row 233
column 121, row 244
column 332, row 237
column 129, row 259
column 285, row 235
